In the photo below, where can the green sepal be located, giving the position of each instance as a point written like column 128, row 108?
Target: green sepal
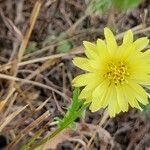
column 74, row 111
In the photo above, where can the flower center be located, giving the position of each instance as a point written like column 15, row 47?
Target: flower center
column 116, row 72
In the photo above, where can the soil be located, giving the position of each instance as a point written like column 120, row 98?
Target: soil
column 127, row 131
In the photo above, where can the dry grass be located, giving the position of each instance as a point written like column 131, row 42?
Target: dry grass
column 36, row 87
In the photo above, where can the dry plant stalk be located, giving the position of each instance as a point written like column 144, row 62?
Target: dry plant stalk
column 11, row 116
column 32, row 21
column 28, row 129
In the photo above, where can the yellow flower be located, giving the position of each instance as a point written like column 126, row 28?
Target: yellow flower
column 115, row 75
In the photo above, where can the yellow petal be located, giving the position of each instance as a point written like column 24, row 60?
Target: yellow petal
column 82, row 63
column 134, row 104
column 99, row 95
column 113, row 107
column 84, row 79
column 146, row 55
column 125, row 51
column 141, row 43
column 97, row 103
column 85, row 94
column 141, row 78
column 131, row 99
column 128, row 37
column 88, row 100
column 123, row 103
column 90, row 50
column 138, row 92
column 97, row 65
column 88, row 90
column 144, row 80
column 110, row 40
column 102, row 48
column 107, row 97
column 99, row 90
column 93, row 84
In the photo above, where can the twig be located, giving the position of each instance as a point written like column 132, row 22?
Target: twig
column 8, row 66
column 28, row 129
column 3, row 76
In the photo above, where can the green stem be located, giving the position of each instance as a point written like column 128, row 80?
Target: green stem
column 56, row 132
column 37, row 134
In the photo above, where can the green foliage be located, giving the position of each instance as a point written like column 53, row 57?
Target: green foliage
column 49, row 39
column 64, row 47
column 32, row 47
column 103, row 5
column 98, row 6
column 146, row 110
column 74, row 111
column 124, row 5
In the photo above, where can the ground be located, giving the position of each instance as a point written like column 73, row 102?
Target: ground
column 36, row 79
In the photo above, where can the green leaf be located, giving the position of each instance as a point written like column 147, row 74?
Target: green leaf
column 64, row 47
column 74, row 111
column 98, row 6
column 146, row 110
column 49, row 39
column 124, row 5
column 32, row 47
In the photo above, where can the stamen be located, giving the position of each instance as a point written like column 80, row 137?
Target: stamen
column 116, row 72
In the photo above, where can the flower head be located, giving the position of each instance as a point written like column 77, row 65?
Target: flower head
column 115, row 75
